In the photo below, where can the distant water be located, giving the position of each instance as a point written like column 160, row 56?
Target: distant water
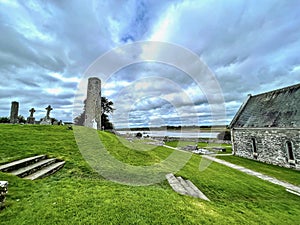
column 178, row 134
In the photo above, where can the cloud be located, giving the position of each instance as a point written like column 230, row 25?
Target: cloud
column 47, row 47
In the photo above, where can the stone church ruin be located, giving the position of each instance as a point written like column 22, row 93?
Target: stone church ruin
column 267, row 128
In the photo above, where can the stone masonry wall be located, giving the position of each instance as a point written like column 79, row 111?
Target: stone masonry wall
column 270, row 145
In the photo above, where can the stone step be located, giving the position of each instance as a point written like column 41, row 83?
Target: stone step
column 21, row 163
column 185, row 187
column 175, row 184
column 198, row 193
column 190, row 191
column 46, row 171
column 27, row 170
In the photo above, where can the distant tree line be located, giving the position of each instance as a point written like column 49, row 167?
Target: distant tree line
column 21, row 119
column 4, row 120
column 106, row 109
column 224, row 135
column 171, row 127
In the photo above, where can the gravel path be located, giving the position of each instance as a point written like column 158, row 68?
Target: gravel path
column 289, row 187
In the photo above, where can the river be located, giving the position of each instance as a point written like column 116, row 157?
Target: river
column 162, row 133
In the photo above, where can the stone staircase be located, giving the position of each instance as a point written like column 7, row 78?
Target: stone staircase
column 33, row 167
column 185, row 187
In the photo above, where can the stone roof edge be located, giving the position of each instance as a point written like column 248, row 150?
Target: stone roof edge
column 266, row 128
column 278, row 90
column 241, row 109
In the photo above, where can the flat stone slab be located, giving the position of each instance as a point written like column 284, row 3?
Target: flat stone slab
column 188, row 189
column 197, row 192
column 184, row 187
column 175, row 184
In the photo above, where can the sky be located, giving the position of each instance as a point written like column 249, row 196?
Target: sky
column 48, row 48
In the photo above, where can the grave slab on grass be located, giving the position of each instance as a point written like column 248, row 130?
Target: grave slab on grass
column 185, row 187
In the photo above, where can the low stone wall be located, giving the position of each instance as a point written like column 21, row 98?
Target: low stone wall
column 270, row 145
column 3, row 192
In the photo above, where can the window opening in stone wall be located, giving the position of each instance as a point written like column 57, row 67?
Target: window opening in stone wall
column 289, row 148
column 254, row 148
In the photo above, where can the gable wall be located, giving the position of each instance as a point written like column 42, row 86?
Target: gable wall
column 270, row 143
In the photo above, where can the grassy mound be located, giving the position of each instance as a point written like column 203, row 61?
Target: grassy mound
column 79, row 195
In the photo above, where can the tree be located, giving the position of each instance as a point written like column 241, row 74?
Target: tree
column 53, row 120
column 224, row 135
column 79, row 120
column 106, row 106
column 21, row 119
column 4, row 120
column 139, row 135
column 105, row 122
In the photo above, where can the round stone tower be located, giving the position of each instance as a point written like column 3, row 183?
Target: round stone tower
column 93, row 104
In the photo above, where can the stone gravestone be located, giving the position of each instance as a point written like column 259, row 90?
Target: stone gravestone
column 14, row 112
column 31, row 119
column 47, row 120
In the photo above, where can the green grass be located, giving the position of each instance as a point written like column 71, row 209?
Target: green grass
column 78, row 195
column 209, row 145
column 284, row 174
column 136, row 152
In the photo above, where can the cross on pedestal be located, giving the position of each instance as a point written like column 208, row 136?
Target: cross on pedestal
column 32, row 110
column 48, row 111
